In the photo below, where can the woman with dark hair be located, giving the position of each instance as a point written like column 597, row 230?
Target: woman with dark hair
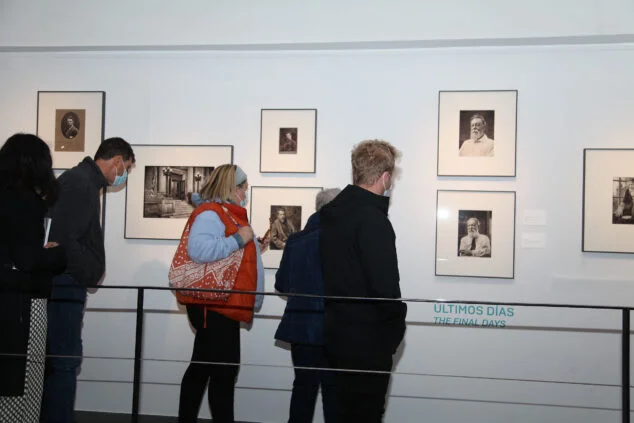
column 27, row 188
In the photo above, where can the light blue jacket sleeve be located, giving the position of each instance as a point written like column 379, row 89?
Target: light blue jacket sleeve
column 207, row 241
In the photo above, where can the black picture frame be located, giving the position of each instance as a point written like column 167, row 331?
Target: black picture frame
column 500, row 262
column 492, row 158
column 93, row 129
column 606, row 181
column 302, row 158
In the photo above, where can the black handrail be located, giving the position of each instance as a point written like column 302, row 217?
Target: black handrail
column 138, row 350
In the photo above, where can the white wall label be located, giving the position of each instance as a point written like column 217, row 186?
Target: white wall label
column 533, row 240
column 534, row 217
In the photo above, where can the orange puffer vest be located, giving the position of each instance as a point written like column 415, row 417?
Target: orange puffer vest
column 238, row 306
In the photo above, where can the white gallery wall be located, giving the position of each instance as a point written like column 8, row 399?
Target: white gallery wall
column 570, row 97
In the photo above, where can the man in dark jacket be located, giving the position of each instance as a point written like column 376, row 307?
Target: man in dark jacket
column 76, row 224
column 358, row 253
column 302, row 322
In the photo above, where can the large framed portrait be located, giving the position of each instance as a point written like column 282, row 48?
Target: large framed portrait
column 72, row 123
column 477, row 133
column 475, row 233
column 159, row 190
column 280, row 211
column 288, row 140
column 608, row 186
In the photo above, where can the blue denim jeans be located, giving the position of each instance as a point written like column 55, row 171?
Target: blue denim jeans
column 307, row 382
column 64, row 348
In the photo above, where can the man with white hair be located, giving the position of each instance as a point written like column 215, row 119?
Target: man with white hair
column 474, row 243
column 479, row 144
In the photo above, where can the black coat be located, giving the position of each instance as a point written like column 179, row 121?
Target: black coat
column 358, row 254
column 26, row 269
column 77, row 224
column 300, row 273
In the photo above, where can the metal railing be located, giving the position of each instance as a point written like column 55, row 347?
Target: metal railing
column 140, row 310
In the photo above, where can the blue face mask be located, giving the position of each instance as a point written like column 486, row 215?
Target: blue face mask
column 243, row 202
column 388, row 191
column 120, row 179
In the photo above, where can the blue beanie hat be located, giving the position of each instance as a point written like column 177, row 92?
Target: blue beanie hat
column 241, row 177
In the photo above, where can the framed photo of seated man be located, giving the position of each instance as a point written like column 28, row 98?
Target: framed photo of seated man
column 477, row 133
column 475, row 234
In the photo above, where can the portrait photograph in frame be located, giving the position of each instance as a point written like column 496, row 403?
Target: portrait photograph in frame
column 608, row 186
column 158, row 193
column 71, row 123
column 477, row 133
column 475, row 233
column 288, row 140
column 281, row 211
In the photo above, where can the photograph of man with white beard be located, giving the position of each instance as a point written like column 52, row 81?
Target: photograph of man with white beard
column 474, row 233
column 476, row 133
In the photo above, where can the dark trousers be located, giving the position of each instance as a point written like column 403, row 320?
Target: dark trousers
column 361, row 396
column 218, row 342
column 307, row 382
column 64, row 347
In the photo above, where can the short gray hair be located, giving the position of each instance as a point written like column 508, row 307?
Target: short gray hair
column 325, row 196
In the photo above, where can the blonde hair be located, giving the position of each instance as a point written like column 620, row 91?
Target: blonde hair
column 370, row 159
column 221, row 184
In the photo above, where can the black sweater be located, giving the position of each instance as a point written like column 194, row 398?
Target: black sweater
column 358, row 254
column 26, row 268
column 76, row 221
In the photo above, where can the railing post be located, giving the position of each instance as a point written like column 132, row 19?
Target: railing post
column 625, row 367
column 138, row 349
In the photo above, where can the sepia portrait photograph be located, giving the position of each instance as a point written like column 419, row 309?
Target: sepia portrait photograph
column 282, row 132
column 285, row 220
column 71, row 123
column 280, row 211
column 288, row 140
column 167, row 191
column 476, row 133
column 159, row 200
column 69, row 132
column 622, row 200
column 474, row 233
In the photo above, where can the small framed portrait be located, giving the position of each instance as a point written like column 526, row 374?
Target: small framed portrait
column 159, row 192
column 477, row 133
column 475, row 234
column 608, row 187
column 72, row 123
column 280, row 211
column 288, row 140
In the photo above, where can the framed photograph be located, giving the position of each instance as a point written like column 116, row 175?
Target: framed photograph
column 72, row 123
column 608, row 186
column 475, row 234
column 477, row 132
column 159, row 190
column 288, row 140
column 282, row 211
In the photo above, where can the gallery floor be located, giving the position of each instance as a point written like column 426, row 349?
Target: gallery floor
column 95, row 417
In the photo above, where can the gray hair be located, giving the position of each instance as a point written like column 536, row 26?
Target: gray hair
column 325, row 196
